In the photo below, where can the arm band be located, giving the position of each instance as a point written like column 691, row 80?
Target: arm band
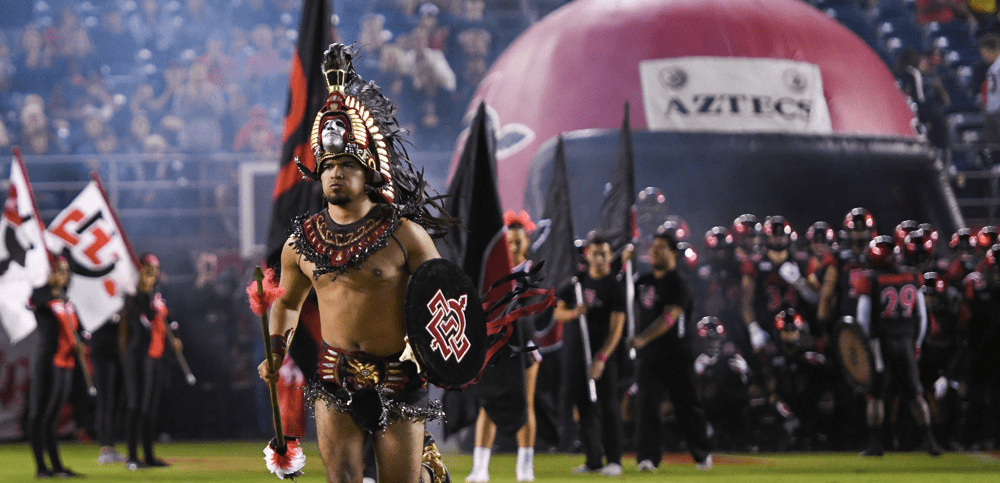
column 600, row 356
column 279, row 345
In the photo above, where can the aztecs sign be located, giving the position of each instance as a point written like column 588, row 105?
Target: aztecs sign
column 733, row 95
column 447, row 326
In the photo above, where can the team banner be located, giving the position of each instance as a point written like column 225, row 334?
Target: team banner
column 733, row 95
column 88, row 234
column 24, row 262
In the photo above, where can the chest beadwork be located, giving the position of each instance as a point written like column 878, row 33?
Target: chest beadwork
column 332, row 247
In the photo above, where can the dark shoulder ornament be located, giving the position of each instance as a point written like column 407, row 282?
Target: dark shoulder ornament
column 335, row 248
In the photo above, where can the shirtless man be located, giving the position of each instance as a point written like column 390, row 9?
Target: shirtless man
column 357, row 254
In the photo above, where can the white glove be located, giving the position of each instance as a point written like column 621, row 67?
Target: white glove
column 757, row 336
column 701, row 363
column 940, row 387
column 790, row 272
column 739, row 365
column 815, row 358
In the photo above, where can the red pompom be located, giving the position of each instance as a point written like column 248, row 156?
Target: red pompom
column 287, row 463
column 272, row 291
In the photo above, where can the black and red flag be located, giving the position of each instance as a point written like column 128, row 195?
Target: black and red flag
column 617, row 221
column 306, row 94
column 480, row 248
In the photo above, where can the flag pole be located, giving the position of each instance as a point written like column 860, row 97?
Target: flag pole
column 630, row 306
column 34, row 205
column 181, row 360
column 114, row 216
column 588, row 357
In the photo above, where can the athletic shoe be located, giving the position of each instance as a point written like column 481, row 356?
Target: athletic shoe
column 477, row 478
column 584, row 470
column 43, row 474
column 367, row 480
column 646, row 466
column 66, row 473
column 612, row 469
column 705, row 464
column 526, row 476
column 109, row 455
column 156, row 463
column 933, row 448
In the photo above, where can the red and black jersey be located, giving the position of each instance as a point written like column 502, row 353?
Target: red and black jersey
column 772, row 294
column 57, row 327
column 146, row 315
column 846, row 262
column 895, row 294
column 718, row 290
column 981, row 310
column 817, row 265
column 960, row 267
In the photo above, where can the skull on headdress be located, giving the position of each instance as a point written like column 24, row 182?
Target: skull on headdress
column 346, row 127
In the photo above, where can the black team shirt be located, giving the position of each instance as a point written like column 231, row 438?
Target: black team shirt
column 602, row 297
column 654, row 295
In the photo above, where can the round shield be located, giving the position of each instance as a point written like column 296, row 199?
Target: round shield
column 445, row 323
column 854, row 354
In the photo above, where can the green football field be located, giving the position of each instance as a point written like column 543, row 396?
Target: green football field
column 243, row 461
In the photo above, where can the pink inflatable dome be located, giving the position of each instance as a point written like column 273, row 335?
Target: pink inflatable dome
column 576, row 68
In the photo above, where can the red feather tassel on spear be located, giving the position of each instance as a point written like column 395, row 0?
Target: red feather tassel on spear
column 283, row 456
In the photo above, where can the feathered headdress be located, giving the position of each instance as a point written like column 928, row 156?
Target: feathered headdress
column 345, row 126
column 357, row 120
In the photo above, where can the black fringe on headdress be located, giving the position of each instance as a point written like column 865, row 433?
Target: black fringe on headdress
column 416, row 199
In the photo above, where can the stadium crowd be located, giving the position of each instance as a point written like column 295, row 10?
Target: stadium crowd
column 148, row 76
column 154, row 76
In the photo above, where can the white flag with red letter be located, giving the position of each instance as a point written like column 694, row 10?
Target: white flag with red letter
column 24, row 262
column 88, row 234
